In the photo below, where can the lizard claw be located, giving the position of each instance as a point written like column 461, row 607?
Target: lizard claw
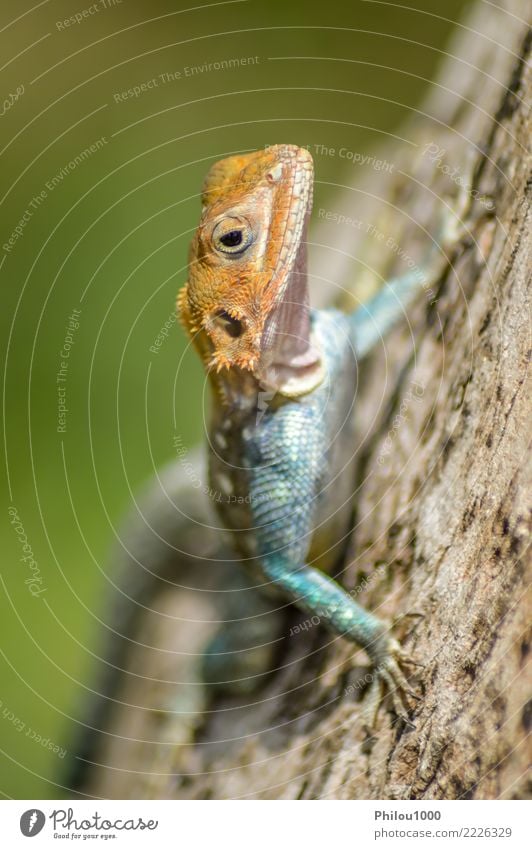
column 387, row 671
column 463, row 212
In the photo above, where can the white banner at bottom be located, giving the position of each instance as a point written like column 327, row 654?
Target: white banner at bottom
column 266, row 824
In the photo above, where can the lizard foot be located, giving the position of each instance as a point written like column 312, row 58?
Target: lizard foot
column 387, row 672
column 464, row 212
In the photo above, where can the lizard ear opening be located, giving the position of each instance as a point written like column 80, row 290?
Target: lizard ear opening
column 232, row 326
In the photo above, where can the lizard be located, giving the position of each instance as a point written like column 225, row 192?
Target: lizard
column 281, row 441
column 285, row 476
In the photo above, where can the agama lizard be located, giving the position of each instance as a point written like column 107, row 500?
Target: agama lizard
column 284, row 472
column 281, row 440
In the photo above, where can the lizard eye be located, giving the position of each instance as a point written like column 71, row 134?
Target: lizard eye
column 232, row 236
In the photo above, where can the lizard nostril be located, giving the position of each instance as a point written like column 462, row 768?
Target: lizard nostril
column 232, row 326
column 275, row 173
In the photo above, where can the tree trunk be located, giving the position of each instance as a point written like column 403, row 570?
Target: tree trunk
column 440, row 521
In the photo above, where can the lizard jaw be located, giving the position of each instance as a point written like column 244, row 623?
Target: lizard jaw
column 290, row 363
column 292, row 380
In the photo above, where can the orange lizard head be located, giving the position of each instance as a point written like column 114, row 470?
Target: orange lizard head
column 246, row 301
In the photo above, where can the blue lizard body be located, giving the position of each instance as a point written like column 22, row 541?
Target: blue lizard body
column 283, row 478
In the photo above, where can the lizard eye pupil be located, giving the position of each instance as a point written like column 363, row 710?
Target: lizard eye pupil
column 232, row 235
column 232, row 239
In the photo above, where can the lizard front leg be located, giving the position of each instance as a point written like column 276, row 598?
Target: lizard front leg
column 316, row 593
column 371, row 321
column 283, row 527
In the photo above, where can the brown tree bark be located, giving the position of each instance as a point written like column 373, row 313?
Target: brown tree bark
column 441, row 498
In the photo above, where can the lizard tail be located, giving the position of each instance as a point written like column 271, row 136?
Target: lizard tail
column 168, row 548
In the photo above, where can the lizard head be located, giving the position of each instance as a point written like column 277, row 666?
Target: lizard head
column 245, row 304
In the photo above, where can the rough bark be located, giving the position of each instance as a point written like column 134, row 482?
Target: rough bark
column 440, row 523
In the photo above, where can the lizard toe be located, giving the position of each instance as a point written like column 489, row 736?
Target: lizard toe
column 388, row 673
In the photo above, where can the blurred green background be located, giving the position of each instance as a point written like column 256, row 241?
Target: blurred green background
column 110, row 239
